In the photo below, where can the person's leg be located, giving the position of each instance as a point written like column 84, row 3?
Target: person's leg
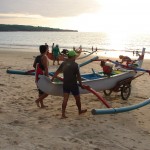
column 78, row 103
column 37, row 102
column 40, row 100
column 54, row 61
column 58, row 60
column 40, row 94
column 76, row 94
column 64, row 104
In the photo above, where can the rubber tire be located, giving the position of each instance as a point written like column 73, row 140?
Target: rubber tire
column 126, row 89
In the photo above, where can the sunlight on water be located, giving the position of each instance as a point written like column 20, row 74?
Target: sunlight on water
column 117, row 40
column 115, row 54
column 104, row 42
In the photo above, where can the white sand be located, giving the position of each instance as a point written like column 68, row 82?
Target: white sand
column 23, row 126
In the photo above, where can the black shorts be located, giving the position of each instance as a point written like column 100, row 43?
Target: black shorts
column 40, row 92
column 74, row 89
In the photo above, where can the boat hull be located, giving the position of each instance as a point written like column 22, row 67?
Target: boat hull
column 98, row 84
column 61, row 57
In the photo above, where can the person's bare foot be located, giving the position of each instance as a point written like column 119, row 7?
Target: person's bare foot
column 63, row 117
column 82, row 111
column 37, row 103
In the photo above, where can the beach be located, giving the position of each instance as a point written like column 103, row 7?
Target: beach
column 23, row 126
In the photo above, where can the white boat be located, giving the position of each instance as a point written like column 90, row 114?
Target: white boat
column 97, row 81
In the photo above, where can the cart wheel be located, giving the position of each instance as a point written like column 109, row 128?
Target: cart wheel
column 125, row 91
column 107, row 92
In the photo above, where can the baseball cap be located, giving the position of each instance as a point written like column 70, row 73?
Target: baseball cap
column 72, row 53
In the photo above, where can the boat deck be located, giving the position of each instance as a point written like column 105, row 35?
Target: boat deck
column 98, row 75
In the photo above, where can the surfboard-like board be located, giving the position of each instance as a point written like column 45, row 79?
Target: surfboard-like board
column 22, row 72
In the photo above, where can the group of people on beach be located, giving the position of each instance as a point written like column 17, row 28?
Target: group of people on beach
column 55, row 52
column 126, row 61
column 71, row 75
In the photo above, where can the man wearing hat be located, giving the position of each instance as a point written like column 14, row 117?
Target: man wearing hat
column 71, row 75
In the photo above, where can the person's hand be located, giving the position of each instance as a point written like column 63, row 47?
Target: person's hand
column 81, row 86
column 47, row 75
column 84, row 86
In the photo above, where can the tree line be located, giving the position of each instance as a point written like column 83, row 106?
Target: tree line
column 7, row 27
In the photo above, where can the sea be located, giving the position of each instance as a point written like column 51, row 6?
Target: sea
column 107, row 43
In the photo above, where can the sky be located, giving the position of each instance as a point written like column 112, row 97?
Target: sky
column 82, row 15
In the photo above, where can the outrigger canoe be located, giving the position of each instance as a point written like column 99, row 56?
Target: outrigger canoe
column 62, row 57
column 96, row 80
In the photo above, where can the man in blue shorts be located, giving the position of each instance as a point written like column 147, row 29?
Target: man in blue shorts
column 71, row 74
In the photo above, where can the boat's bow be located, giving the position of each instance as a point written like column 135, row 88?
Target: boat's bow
column 51, row 88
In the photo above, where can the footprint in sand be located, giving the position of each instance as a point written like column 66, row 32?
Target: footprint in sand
column 16, row 122
column 18, row 87
column 132, row 139
column 63, row 138
column 146, row 132
column 139, row 141
column 2, row 85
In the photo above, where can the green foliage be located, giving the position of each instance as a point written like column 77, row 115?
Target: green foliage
column 6, row 27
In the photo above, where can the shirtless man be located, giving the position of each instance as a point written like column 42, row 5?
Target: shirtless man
column 42, row 62
column 125, row 59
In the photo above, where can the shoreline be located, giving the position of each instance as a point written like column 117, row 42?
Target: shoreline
column 101, row 53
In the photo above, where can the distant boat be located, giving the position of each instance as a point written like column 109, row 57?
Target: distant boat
column 62, row 57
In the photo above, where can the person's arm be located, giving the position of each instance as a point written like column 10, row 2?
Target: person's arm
column 79, row 79
column 55, row 75
column 45, row 64
column 57, row 72
column 59, row 51
column 122, row 60
column 139, row 56
column 34, row 64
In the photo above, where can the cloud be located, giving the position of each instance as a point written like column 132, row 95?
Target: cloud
column 49, row 8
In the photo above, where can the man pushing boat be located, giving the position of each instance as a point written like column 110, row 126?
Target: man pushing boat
column 71, row 74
